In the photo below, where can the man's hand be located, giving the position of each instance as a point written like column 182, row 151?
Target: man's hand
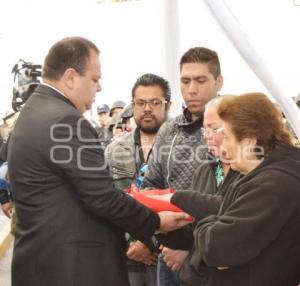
column 7, row 209
column 140, row 252
column 172, row 220
column 174, row 258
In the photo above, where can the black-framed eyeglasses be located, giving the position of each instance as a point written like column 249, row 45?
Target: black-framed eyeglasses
column 153, row 103
column 211, row 131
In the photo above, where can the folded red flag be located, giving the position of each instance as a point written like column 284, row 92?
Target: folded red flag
column 154, row 204
column 156, row 192
column 152, row 192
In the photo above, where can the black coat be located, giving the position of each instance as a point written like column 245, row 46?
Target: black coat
column 70, row 219
column 257, row 231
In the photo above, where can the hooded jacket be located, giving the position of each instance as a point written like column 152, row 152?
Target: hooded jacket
column 256, row 233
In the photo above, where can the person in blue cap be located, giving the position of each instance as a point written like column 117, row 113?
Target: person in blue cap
column 105, row 135
column 117, row 107
column 103, row 115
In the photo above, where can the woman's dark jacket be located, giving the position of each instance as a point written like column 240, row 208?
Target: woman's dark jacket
column 257, row 231
column 206, row 198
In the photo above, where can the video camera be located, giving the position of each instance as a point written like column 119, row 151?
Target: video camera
column 26, row 79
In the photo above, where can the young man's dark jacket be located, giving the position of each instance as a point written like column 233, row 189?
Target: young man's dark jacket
column 178, row 151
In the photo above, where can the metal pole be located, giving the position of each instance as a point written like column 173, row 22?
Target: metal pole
column 239, row 39
column 171, row 51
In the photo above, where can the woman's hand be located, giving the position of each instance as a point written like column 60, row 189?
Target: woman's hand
column 174, row 258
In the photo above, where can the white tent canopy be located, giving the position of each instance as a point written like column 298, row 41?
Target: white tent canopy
column 134, row 38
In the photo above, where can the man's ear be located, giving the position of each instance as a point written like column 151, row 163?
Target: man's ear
column 219, row 82
column 168, row 106
column 69, row 77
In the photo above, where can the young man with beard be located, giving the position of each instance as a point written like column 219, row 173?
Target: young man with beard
column 180, row 148
column 127, row 159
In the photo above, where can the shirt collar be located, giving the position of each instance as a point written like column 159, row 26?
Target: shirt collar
column 57, row 90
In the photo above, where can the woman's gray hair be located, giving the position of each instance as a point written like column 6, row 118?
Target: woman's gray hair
column 213, row 103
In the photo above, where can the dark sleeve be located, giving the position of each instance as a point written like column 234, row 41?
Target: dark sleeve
column 204, row 198
column 121, row 165
column 247, row 226
column 197, row 204
column 177, row 239
column 150, row 244
column 87, row 172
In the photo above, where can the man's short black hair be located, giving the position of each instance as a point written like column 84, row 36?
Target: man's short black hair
column 150, row 79
column 72, row 52
column 202, row 55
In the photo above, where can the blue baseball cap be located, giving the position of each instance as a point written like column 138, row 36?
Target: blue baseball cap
column 102, row 108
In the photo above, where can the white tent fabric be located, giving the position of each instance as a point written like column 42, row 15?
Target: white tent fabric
column 239, row 39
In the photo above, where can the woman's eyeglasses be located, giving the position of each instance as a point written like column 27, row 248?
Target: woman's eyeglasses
column 211, row 131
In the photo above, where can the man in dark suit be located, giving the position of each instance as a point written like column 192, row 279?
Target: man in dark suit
column 70, row 218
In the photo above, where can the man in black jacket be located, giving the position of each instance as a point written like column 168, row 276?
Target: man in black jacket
column 179, row 148
column 70, row 218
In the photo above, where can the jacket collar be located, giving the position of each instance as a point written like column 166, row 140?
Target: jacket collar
column 47, row 90
column 137, row 136
column 185, row 119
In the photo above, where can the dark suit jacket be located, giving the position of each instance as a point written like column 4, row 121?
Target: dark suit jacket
column 70, row 218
